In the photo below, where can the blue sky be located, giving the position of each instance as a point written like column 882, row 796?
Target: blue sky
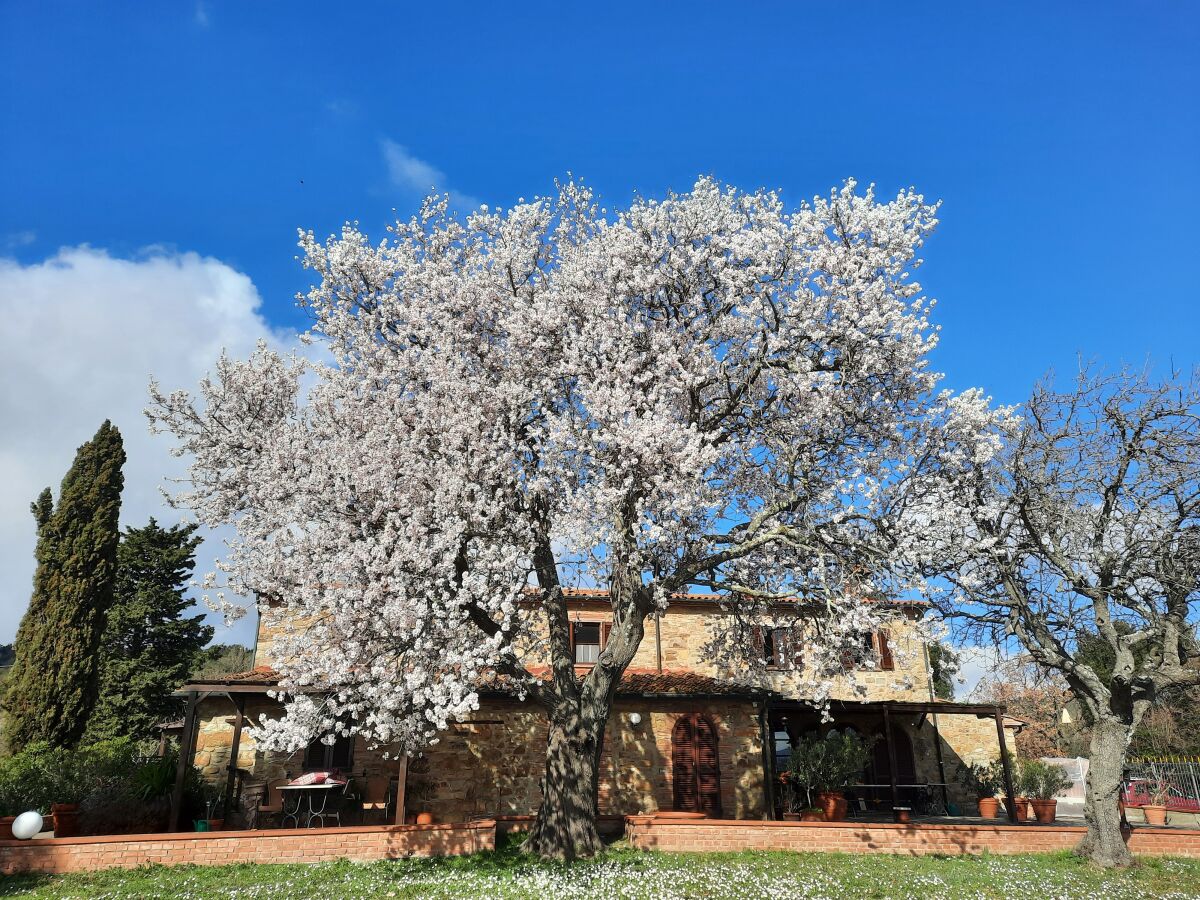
column 1064, row 140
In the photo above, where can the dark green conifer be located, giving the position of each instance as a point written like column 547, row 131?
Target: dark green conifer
column 148, row 648
column 52, row 687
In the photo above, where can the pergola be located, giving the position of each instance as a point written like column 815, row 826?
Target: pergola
column 235, row 688
column 889, row 708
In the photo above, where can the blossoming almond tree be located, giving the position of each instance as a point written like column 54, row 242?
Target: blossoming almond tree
column 703, row 390
column 1086, row 528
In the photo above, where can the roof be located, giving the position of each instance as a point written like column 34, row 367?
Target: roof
column 260, row 678
column 635, row 682
column 601, row 594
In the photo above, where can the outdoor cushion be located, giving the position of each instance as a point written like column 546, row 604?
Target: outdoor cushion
column 310, row 778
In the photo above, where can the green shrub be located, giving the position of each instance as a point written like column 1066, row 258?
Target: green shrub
column 118, row 789
column 827, row 763
column 1043, row 781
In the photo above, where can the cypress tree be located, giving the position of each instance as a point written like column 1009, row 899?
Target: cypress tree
column 148, row 648
column 52, row 687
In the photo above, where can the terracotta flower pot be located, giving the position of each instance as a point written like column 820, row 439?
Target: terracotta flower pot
column 1155, row 815
column 989, row 807
column 424, row 818
column 791, row 817
column 901, row 815
column 6, row 828
column 66, row 819
column 1044, row 810
column 216, row 824
column 1018, row 807
column 834, row 805
column 812, row 815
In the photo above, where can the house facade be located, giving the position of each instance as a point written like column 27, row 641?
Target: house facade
column 683, row 735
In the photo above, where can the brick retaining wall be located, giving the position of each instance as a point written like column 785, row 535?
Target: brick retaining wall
column 292, row 845
column 649, row 833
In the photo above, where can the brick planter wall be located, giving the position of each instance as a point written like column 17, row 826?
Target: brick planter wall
column 292, row 845
column 648, row 833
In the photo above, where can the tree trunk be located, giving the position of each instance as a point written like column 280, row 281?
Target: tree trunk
column 1104, row 843
column 565, row 826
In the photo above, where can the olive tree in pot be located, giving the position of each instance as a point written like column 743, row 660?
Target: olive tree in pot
column 1042, row 783
column 1156, row 810
column 827, row 764
column 984, row 782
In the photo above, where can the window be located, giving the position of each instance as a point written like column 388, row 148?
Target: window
column 322, row 757
column 878, row 649
column 775, row 647
column 587, row 640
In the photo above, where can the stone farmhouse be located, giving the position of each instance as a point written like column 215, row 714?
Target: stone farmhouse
column 684, row 735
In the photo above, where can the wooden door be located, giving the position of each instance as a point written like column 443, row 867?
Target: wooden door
column 696, row 766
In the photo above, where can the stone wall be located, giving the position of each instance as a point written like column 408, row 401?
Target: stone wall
column 686, row 628
column 492, row 764
column 302, row 845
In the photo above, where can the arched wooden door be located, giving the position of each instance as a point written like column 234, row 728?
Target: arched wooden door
column 906, row 768
column 695, row 766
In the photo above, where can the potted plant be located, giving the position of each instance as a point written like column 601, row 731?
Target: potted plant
column 1043, row 782
column 69, row 788
column 984, row 782
column 826, row 765
column 1156, row 810
column 419, row 790
column 812, row 814
column 1018, row 805
column 790, row 796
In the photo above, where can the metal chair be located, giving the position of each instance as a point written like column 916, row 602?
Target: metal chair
column 272, row 802
column 377, row 796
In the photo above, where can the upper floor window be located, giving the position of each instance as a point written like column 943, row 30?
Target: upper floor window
column 879, row 648
column 587, row 640
column 777, row 647
column 322, row 757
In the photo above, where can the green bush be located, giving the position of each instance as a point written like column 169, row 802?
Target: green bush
column 1043, row 781
column 827, row 763
column 983, row 780
column 118, row 788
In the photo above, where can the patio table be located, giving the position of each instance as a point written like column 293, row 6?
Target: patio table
column 305, row 801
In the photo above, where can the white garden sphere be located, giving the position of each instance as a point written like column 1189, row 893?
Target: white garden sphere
column 26, row 825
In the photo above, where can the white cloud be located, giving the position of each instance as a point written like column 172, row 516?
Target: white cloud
column 82, row 333
column 415, row 175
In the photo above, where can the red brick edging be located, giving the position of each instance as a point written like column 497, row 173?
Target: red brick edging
column 291, row 845
column 708, row 835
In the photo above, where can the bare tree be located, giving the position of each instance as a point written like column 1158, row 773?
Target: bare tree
column 1088, row 523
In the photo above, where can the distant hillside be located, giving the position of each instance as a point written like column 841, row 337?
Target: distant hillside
column 7, row 654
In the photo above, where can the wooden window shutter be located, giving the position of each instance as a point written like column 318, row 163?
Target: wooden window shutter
column 708, row 768
column 605, row 628
column 886, row 661
column 571, row 637
column 696, row 766
column 758, row 642
column 683, row 766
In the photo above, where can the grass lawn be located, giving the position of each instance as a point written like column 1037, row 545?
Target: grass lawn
column 631, row 874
